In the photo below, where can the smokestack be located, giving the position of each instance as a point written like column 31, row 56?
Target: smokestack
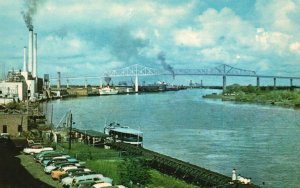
column 34, row 65
column 24, row 62
column 30, row 50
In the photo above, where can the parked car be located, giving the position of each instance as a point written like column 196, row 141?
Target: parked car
column 95, row 177
column 67, row 182
column 62, row 158
column 56, row 165
column 4, row 138
column 42, row 153
column 62, row 170
column 49, row 156
column 48, row 162
column 84, row 184
column 4, row 135
column 37, row 149
column 101, row 185
column 73, row 173
column 58, row 174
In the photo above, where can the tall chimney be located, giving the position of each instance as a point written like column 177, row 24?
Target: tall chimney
column 34, row 65
column 30, row 50
column 24, row 62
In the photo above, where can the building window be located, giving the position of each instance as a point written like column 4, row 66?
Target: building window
column 20, row 128
column 4, row 129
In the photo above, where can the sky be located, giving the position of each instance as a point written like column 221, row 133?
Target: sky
column 89, row 37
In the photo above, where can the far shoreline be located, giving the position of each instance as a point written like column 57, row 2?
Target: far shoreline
column 253, row 95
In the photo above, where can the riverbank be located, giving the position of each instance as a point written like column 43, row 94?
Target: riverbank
column 112, row 163
column 283, row 98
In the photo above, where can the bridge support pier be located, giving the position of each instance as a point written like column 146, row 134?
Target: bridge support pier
column 224, row 83
column 291, row 82
column 136, row 88
column 67, row 83
column 257, row 81
column 58, row 80
column 274, row 79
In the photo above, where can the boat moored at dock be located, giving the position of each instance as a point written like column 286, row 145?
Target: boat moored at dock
column 108, row 91
column 124, row 134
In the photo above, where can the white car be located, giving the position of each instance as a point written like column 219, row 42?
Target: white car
column 48, row 169
column 94, row 177
column 101, row 185
column 36, row 150
column 67, row 181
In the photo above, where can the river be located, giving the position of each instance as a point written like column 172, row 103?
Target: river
column 261, row 142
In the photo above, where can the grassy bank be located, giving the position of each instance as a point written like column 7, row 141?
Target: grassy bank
column 110, row 163
column 252, row 94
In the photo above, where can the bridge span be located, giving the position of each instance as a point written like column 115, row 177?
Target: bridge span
column 222, row 70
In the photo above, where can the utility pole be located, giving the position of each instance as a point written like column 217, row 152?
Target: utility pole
column 70, row 132
column 51, row 117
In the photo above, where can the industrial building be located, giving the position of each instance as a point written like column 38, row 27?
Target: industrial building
column 20, row 85
column 23, row 85
column 13, row 124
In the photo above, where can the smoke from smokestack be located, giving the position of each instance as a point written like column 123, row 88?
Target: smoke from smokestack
column 30, row 10
column 107, row 79
column 162, row 57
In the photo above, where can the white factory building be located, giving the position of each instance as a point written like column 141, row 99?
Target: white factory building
column 22, row 85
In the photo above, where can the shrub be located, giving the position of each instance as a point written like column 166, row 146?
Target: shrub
column 135, row 171
column 13, row 105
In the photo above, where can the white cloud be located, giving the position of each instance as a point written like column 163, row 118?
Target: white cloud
column 221, row 37
column 276, row 14
column 94, row 34
column 140, row 34
column 52, row 46
column 218, row 55
column 213, row 27
column 273, row 41
column 188, row 37
column 295, row 47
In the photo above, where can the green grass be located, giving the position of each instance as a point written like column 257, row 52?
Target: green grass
column 84, row 152
column 160, row 180
column 107, row 162
column 108, row 168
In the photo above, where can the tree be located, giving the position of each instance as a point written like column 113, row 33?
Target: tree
column 134, row 170
column 249, row 89
column 13, row 105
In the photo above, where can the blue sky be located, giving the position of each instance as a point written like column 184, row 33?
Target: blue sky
column 91, row 36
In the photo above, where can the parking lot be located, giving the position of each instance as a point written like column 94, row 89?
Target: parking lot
column 36, row 170
column 16, row 169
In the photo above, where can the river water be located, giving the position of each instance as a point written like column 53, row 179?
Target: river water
column 261, row 142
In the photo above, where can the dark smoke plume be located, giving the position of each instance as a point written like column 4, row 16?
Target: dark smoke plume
column 30, row 10
column 162, row 57
column 107, row 79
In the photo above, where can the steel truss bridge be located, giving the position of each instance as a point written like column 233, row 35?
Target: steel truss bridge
column 139, row 70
